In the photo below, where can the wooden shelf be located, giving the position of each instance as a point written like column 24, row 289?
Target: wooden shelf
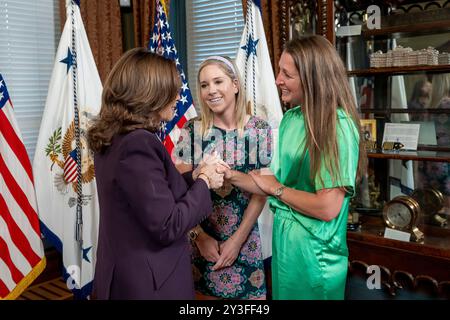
column 432, row 257
column 436, row 241
column 408, row 30
column 411, row 155
column 392, row 71
column 405, row 110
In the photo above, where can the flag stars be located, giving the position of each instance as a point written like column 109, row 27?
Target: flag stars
column 250, row 47
column 182, row 75
column 168, row 50
column 85, row 254
column 163, row 126
column 183, row 99
column 2, row 83
column 1, row 96
column 168, row 36
column 69, row 60
column 154, row 37
column 184, row 87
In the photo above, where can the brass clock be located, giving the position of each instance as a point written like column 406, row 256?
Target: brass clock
column 431, row 200
column 402, row 213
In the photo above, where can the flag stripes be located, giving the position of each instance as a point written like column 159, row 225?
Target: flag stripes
column 3, row 288
column 162, row 43
column 16, row 235
column 14, row 253
column 6, row 257
column 21, row 250
column 19, row 196
column 15, row 143
column 70, row 167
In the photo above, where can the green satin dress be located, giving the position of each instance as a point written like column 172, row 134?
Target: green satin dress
column 310, row 256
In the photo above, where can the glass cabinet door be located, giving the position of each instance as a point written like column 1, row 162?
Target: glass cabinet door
column 398, row 60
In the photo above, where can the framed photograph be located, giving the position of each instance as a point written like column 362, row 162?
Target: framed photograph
column 369, row 134
column 369, row 129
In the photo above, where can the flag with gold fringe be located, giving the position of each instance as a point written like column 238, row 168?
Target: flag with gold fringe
column 22, row 256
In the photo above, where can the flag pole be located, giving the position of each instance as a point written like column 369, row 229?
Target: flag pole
column 79, row 218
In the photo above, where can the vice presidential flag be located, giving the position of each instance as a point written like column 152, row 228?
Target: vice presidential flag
column 21, row 251
column 63, row 163
column 253, row 61
column 163, row 44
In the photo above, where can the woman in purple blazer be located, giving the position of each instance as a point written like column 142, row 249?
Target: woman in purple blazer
column 146, row 206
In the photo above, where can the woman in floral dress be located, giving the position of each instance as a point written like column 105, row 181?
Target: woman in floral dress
column 227, row 257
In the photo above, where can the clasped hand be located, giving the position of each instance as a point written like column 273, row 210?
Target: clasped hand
column 208, row 166
column 223, row 255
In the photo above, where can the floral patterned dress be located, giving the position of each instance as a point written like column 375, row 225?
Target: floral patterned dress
column 248, row 151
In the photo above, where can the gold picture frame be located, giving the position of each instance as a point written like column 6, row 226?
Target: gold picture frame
column 369, row 133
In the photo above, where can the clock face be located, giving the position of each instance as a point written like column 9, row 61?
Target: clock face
column 399, row 215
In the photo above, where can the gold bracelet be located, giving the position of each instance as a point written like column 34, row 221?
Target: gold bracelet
column 207, row 178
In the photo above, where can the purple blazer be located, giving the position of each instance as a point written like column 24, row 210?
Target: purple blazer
column 146, row 210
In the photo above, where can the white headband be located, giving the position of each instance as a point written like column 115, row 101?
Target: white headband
column 222, row 59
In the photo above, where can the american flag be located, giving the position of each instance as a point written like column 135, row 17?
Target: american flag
column 21, row 250
column 163, row 44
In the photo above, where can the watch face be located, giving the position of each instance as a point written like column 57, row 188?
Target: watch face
column 399, row 215
column 192, row 235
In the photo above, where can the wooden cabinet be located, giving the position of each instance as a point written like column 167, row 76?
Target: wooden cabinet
column 404, row 88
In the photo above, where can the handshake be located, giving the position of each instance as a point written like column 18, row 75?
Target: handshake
column 213, row 170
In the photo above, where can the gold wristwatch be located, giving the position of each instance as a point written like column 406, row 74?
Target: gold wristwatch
column 194, row 233
column 279, row 191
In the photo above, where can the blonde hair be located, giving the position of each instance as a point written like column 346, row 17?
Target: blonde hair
column 240, row 105
column 324, row 87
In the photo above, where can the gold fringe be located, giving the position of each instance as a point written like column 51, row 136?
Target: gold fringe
column 26, row 281
column 165, row 8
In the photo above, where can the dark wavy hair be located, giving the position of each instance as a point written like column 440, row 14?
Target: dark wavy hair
column 139, row 86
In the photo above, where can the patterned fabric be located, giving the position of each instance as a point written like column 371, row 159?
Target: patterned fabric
column 245, row 278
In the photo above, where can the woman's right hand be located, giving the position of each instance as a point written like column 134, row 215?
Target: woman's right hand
column 208, row 247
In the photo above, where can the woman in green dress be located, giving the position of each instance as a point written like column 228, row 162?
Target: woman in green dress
column 313, row 173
